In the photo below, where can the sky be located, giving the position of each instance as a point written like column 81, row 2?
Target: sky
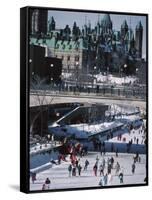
column 63, row 18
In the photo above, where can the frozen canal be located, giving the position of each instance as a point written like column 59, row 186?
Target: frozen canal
column 59, row 176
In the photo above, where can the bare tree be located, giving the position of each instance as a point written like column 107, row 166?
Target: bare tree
column 39, row 88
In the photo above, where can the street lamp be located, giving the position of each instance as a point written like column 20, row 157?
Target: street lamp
column 48, row 137
column 95, row 68
column 77, row 65
column 125, row 67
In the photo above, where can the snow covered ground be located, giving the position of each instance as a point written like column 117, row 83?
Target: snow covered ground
column 60, row 179
column 115, row 80
column 108, row 78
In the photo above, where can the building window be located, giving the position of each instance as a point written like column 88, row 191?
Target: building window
column 62, row 57
column 68, row 58
column 76, row 58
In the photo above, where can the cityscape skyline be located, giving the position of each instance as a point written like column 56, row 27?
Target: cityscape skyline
column 63, row 18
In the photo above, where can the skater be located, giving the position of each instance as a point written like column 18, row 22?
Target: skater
column 109, row 167
column 121, row 177
column 70, row 170
column 106, row 179
column 74, row 170
column 101, row 170
column 102, row 181
column 86, row 165
column 133, row 168
column 117, row 168
column 44, row 187
column 103, row 163
column 95, row 169
column 97, row 160
column 112, row 162
column 109, row 178
column 77, row 162
column 79, row 169
column 33, row 177
column 47, row 183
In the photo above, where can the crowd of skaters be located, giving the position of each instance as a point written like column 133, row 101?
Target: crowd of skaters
column 102, row 167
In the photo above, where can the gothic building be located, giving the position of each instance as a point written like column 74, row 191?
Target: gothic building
column 99, row 48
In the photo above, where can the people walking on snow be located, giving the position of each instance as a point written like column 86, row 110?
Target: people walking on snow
column 47, row 183
column 86, row 165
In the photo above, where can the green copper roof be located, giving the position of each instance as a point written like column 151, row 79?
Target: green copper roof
column 60, row 45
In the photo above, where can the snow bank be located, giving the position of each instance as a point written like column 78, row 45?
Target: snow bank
column 115, row 80
column 42, row 168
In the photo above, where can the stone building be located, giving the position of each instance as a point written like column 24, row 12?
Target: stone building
column 92, row 49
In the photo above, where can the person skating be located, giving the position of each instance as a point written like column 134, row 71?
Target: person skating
column 74, row 170
column 116, row 152
column 102, row 181
column 121, row 177
column 101, row 170
column 33, row 177
column 103, row 163
column 79, row 169
column 112, row 162
column 133, row 168
column 95, row 167
column 97, row 160
column 70, row 170
column 44, row 187
column 117, row 168
column 47, row 183
column 106, row 179
column 109, row 179
column 86, row 165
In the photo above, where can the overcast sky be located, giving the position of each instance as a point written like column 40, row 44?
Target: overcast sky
column 63, row 18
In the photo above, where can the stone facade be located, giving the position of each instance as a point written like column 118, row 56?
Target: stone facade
column 99, row 48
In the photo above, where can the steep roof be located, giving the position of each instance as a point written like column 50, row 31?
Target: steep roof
column 106, row 21
column 139, row 25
